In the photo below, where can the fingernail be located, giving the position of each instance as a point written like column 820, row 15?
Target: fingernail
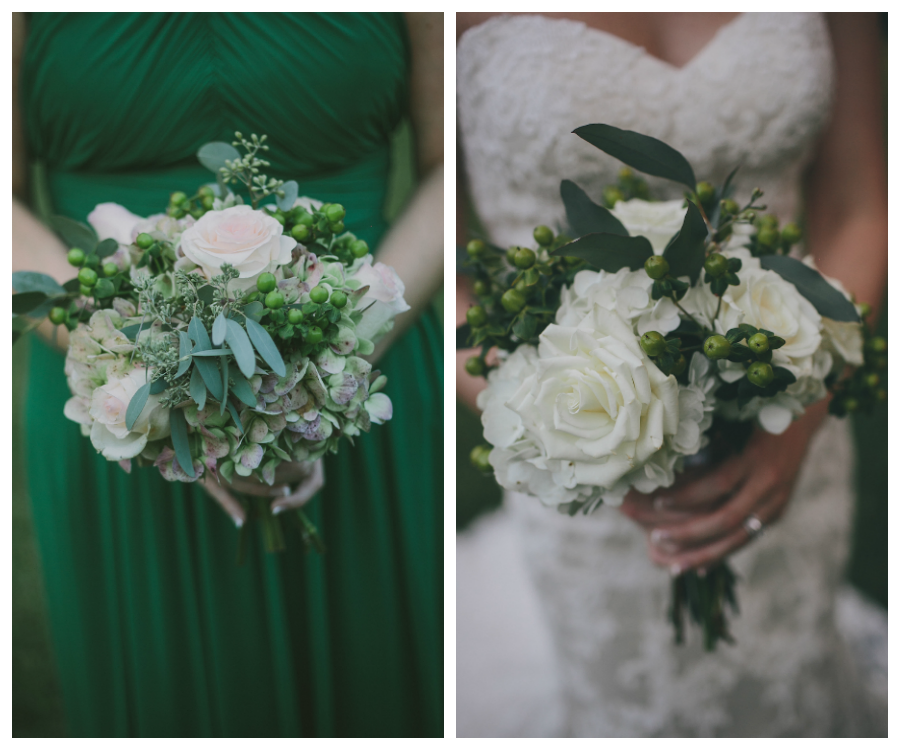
column 278, row 509
column 239, row 522
column 675, row 569
column 657, row 536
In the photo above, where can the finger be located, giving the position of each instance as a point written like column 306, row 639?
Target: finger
column 225, row 500
column 707, row 488
column 250, row 486
column 649, row 516
column 305, row 492
column 706, row 555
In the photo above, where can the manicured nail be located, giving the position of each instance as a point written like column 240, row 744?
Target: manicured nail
column 675, row 569
column 657, row 536
column 239, row 522
column 278, row 509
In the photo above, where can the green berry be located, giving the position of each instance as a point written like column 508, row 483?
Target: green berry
column 177, row 198
column 301, row 216
column 716, row 265
column 206, row 192
column 625, row 173
column 851, row 404
column 482, row 288
column 319, row 294
column 730, row 207
column 759, row 343
column 86, row 291
column 865, row 309
column 521, row 286
column 717, row 347
column 791, row 233
column 475, row 366
column 274, row 300
column 76, row 257
column 876, row 343
column 653, row 343
column 511, row 255
column 58, row 316
column 611, row 196
column 524, row 258
column 767, row 236
column 251, row 297
column 87, row 277
column 476, row 249
column 277, row 216
column 300, row 232
column 295, row 316
column 769, row 220
column 314, row 335
column 543, row 235
column 144, row 241
column 337, row 227
column 476, row 316
column 479, row 457
column 872, row 380
column 656, row 267
column 760, row 373
column 705, row 192
column 338, row 299
column 110, row 269
column 335, row 212
column 266, row 283
column 512, row 300
column 359, row 248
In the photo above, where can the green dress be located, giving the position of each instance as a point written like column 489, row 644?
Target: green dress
column 156, row 630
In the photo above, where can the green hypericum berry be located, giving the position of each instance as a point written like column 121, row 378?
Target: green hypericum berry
column 653, row 343
column 86, row 291
column 769, row 220
column 338, row 299
column 87, row 277
column 314, row 335
column 251, row 297
column 177, row 198
column 524, row 258
column 767, row 237
column 865, row 309
column 337, row 227
column 480, row 457
column 511, row 255
column 295, row 316
column 791, row 233
column 543, row 235
column 680, row 365
column 476, row 249
column 705, row 192
column 876, row 344
column 278, row 217
column 144, row 241
column 266, row 283
column 759, row 343
column 58, row 316
column 359, row 248
column 512, row 300
column 851, row 404
column 206, row 192
column 611, row 196
column 475, row 366
column 730, row 207
column 300, row 232
column 760, row 373
column 521, row 286
column 872, row 380
column 482, row 288
column 76, row 257
column 207, row 201
column 656, row 266
column 319, row 294
column 301, row 216
column 717, row 347
column 335, row 212
column 716, row 265
column 476, row 316
column 274, row 300
column 110, row 269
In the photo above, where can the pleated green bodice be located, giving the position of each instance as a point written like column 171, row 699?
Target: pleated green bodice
column 156, row 631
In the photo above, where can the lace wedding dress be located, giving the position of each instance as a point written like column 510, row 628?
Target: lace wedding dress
column 561, row 627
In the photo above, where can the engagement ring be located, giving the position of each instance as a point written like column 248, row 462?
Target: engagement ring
column 753, row 525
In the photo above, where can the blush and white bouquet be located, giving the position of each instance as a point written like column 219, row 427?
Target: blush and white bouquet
column 218, row 337
column 622, row 352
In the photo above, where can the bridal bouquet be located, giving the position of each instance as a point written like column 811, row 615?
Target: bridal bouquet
column 664, row 325
column 220, row 337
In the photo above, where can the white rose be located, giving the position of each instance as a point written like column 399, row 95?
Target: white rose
column 594, row 409
column 109, row 404
column 251, row 241
column 843, row 338
column 382, row 302
column 657, row 221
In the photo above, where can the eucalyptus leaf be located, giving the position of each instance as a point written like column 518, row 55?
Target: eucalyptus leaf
column 291, row 190
column 178, row 425
column 242, row 389
column 25, row 302
column 641, row 152
column 106, row 248
column 136, row 405
column 212, row 353
column 198, row 389
column 243, row 351
column 266, row 347
column 184, row 353
column 218, row 330
column 32, row 281
column 207, row 368
column 585, row 216
column 609, row 252
column 224, row 363
column 132, row 331
column 214, row 155
column 74, row 233
column 827, row 300
column 254, row 310
column 235, row 416
column 686, row 252
column 158, row 386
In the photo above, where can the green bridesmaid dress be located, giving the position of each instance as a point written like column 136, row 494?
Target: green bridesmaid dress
column 156, row 631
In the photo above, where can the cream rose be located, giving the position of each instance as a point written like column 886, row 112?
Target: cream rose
column 109, row 404
column 251, row 241
column 382, row 302
column 657, row 221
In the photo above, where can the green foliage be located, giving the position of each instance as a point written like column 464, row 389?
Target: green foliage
column 686, row 251
column 180, row 443
column 585, row 216
column 609, row 252
column 827, row 300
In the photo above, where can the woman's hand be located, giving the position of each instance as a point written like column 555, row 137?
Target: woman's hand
column 703, row 517
column 309, row 477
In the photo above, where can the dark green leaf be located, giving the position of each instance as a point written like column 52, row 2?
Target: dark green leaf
column 106, row 248
column 784, row 375
column 240, row 345
column 641, row 152
column 266, row 347
column 31, row 281
column 214, row 155
column 685, row 252
column 184, row 353
column 524, row 327
column 207, row 368
column 205, row 294
column 291, row 188
column 827, row 300
column 609, row 252
column 242, row 389
column 462, row 336
column 178, row 425
column 224, row 363
column 136, row 405
column 72, row 286
column 74, row 233
column 158, row 386
column 25, row 302
column 235, row 416
column 198, row 389
column 103, row 289
column 585, row 216
column 746, row 392
column 218, row 330
column 132, row 331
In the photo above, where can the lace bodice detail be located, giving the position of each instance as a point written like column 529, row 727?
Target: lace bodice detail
column 757, row 95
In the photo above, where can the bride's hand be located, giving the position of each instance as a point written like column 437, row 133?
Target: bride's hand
column 702, row 519
column 309, row 478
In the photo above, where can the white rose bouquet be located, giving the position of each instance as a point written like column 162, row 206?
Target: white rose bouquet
column 622, row 353
column 220, row 337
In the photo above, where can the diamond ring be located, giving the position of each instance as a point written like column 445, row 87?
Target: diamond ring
column 753, row 526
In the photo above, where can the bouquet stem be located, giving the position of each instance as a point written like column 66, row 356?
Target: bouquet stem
column 704, row 598
column 272, row 527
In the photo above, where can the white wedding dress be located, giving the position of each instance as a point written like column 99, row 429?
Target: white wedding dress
column 561, row 627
